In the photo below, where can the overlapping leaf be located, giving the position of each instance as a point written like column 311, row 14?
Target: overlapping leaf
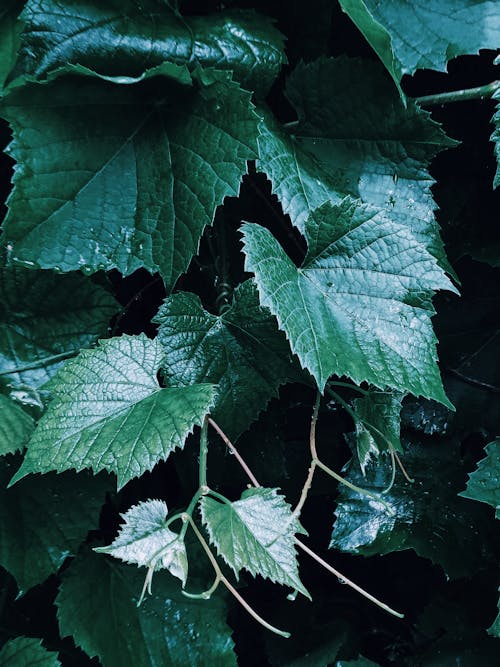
column 109, row 413
column 378, row 151
column 27, row 652
column 128, row 37
column 495, row 138
column 256, row 533
column 360, row 304
column 16, row 426
column 10, row 31
column 145, row 168
column 44, row 519
column 413, row 34
column 484, row 483
column 97, row 606
column 145, row 540
column 241, row 350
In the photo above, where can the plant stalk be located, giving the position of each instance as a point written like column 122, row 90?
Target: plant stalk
column 478, row 93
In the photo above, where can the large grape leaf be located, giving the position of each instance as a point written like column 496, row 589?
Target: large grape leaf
column 484, row 483
column 97, row 606
column 359, row 306
column 108, row 412
column 241, row 350
column 127, row 38
column 378, row 151
column 428, row 516
column 414, row 34
column 16, row 426
column 44, row 519
column 256, row 533
column 10, row 30
column 44, row 319
column 27, row 652
column 145, row 167
column 145, row 540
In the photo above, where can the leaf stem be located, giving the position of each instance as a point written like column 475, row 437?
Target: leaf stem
column 355, row 387
column 403, row 470
column 202, row 472
column 41, row 362
column 478, row 93
column 310, row 473
column 234, row 451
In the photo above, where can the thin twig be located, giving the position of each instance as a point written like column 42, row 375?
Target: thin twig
column 478, row 93
column 403, row 470
column 234, row 451
column 473, row 381
column 310, row 473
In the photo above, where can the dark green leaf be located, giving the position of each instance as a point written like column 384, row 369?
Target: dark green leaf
column 484, row 483
column 360, row 304
column 379, row 151
column 240, row 350
column 495, row 138
column 127, row 38
column 108, row 412
column 44, row 519
column 10, row 30
column 494, row 630
column 428, row 517
column 16, row 426
column 145, row 170
column 97, row 605
column 256, row 533
column 27, row 652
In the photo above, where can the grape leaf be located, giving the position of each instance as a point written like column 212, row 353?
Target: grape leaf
column 44, row 519
column 146, row 167
column 127, row 38
column 495, row 138
column 257, row 533
column 27, row 652
column 10, row 30
column 16, row 426
column 45, row 318
column 428, row 517
column 108, row 412
column 143, row 540
column 484, row 483
column 378, row 151
column 97, row 605
column 410, row 35
column 494, row 629
column 359, row 306
column 241, row 350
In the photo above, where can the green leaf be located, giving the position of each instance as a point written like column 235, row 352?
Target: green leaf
column 128, row 37
column 410, row 35
column 494, row 629
column 44, row 519
column 256, row 533
column 495, row 138
column 16, row 426
column 44, row 319
column 378, row 151
column 428, row 517
column 484, row 483
column 145, row 168
column 97, row 605
column 10, row 31
column 143, row 540
column 240, row 350
column 27, row 652
column 359, row 306
column 109, row 413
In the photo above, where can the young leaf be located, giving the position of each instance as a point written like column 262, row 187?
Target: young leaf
column 44, row 319
column 97, row 606
column 44, row 519
column 428, row 516
column 127, row 38
column 147, row 165
column 256, row 533
column 27, row 652
column 109, row 413
column 145, row 540
column 379, row 151
column 16, row 426
column 360, row 304
column 484, row 483
column 240, row 350
column 425, row 34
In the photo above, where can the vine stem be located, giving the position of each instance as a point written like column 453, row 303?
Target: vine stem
column 202, row 471
column 312, row 467
column 41, row 362
column 478, row 93
column 234, row 451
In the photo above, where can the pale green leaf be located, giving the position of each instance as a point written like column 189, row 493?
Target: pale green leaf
column 484, row 483
column 16, row 426
column 256, row 533
column 108, row 412
column 97, row 606
column 145, row 168
column 415, row 34
column 44, row 519
column 241, row 350
column 145, row 540
column 360, row 304
column 27, row 652
column 379, row 151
